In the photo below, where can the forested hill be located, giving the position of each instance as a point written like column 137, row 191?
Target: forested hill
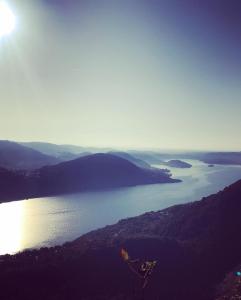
column 88, row 173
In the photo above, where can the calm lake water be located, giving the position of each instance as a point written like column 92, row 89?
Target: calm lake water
column 54, row 220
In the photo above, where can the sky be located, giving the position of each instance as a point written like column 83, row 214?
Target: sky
column 126, row 74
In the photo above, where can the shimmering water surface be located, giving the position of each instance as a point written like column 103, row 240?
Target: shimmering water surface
column 55, row 220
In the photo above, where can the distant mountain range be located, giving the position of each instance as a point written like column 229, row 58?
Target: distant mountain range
column 59, row 151
column 150, row 157
column 34, row 155
column 194, row 244
column 56, row 169
column 222, row 158
column 138, row 162
column 92, row 172
column 15, row 156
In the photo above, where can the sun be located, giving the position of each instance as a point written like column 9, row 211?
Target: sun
column 7, row 19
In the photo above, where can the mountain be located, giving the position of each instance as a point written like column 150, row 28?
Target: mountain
column 195, row 245
column 15, row 156
column 88, row 173
column 151, row 157
column 97, row 171
column 58, row 149
column 223, row 158
column 176, row 163
column 138, row 162
column 74, row 149
column 62, row 152
column 66, row 152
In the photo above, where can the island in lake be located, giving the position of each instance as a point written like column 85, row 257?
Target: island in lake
column 176, row 163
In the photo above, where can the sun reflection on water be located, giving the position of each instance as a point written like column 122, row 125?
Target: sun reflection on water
column 11, row 227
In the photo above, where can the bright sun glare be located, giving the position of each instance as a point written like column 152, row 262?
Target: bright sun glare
column 7, row 19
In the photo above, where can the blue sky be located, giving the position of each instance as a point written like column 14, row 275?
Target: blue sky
column 138, row 74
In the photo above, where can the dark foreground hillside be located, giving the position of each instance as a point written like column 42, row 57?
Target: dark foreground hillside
column 230, row 287
column 195, row 245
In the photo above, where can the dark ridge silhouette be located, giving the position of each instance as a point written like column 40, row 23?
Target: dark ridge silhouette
column 194, row 244
column 16, row 157
column 93, row 172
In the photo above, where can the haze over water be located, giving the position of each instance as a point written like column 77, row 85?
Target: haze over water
column 55, row 220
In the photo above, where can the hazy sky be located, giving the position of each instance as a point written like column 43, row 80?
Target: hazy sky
column 123, row 73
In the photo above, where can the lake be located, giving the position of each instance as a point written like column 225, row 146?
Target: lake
column 54, row 220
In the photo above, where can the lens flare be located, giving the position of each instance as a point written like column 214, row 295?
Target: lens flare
column 7, row 19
